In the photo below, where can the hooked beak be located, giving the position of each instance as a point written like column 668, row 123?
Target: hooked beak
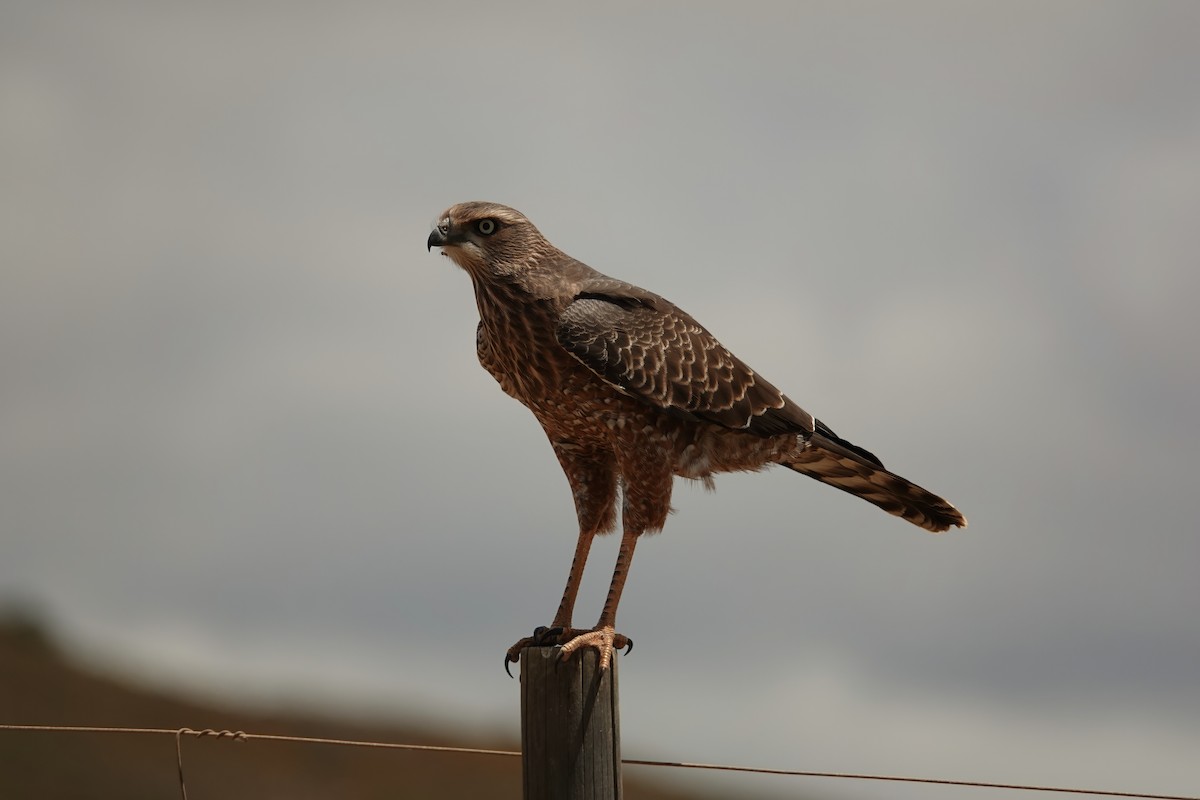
column 439, row 236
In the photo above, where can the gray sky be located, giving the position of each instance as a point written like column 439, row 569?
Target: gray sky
column 245, row 445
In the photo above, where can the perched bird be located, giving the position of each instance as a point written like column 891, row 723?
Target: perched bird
column 631, row 392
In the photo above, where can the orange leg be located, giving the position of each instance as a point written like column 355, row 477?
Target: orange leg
column 593, row 478
column 561, row 626
column 604, row 636
column 566, row 608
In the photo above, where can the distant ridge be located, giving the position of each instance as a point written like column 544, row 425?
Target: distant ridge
column 40, row 684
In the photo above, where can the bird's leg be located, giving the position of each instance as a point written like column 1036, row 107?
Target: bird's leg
column 593, row 480
column 645, row 505
column 561, row 626
column 604, row 636
column 566, row 608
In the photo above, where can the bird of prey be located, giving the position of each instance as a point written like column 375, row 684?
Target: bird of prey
column 632, row 392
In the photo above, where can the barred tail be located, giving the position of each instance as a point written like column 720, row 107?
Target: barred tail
column 845, row 466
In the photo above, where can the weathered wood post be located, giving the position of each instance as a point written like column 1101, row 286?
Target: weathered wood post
column 570, row 727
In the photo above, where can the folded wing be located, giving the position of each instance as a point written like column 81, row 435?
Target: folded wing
column 646, row 347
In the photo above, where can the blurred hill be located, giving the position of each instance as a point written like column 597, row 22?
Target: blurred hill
column 40, row 684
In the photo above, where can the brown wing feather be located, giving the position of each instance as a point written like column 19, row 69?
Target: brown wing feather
column 650, row 349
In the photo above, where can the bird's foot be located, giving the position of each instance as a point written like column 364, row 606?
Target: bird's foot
column 542, row 637
column 604, row 639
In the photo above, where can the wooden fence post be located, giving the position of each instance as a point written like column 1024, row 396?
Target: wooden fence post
column 570, row 727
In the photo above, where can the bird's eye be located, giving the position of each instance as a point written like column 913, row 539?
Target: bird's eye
column 486, row 226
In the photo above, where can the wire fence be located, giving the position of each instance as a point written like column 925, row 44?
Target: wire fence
column 242, row 736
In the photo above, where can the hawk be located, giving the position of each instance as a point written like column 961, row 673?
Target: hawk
column 632, row 392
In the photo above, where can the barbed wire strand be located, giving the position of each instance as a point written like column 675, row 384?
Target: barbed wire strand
column 242, row 736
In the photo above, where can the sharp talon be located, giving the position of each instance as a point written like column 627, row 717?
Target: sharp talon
column 543, row 635
column 508, row 660
column 629, row 647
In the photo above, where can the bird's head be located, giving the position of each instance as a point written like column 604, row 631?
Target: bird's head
column 486, row 238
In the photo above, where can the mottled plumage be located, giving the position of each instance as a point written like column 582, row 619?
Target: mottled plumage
column 631, row 392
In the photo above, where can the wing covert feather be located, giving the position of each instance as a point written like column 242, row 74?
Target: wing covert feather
column 648, row 348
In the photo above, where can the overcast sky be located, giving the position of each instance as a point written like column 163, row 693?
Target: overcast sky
column 245, row 445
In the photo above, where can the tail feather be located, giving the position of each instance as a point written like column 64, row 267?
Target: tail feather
column 841, row 465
